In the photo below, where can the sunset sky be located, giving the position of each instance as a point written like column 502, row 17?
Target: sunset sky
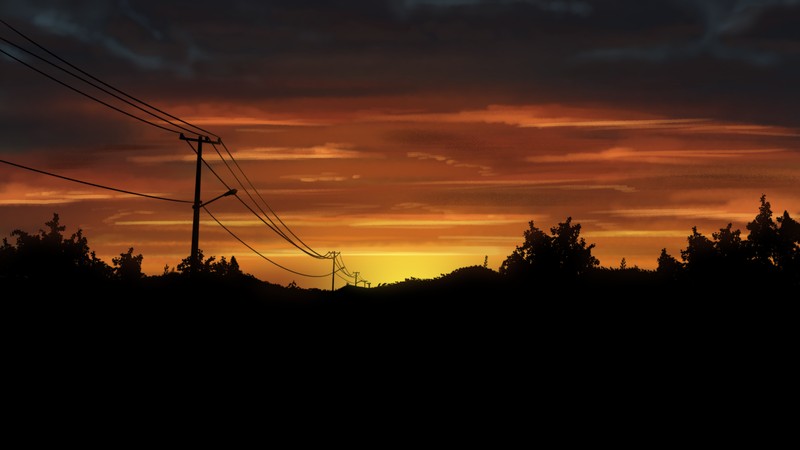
column 413, row 136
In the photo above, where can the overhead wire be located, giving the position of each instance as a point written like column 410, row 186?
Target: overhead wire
column 245, row 188
column 98, row 87
column 93, row 184
column 101, row 81
column 274, row 227
column 85, row 94
column 340, row 262
column 259, row 253
column 267, row 205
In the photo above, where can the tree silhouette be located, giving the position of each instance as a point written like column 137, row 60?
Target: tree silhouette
column 763, row 237
column 8, row 257
column 48, row 255
column 700, row 254
column 203, row 266
column 787, row 253
column 211, row 267
column 127, row 266
column 772, row 249
column 563, row 254
column 227, row 269
column 668, row 267
column 775, row 244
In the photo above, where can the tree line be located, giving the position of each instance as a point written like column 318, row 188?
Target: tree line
column 770, row 252
column 50, row 255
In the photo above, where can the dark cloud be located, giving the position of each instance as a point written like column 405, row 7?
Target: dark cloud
column 719, row 19
column 513, row 51
column 122, row 32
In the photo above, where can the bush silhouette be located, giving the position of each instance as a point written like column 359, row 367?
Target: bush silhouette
column 562, row 255
column 49, row 256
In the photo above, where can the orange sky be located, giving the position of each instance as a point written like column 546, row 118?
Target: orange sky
column 404, row 183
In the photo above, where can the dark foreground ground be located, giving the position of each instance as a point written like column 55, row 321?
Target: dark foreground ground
column 467, row 356
column 471, row 304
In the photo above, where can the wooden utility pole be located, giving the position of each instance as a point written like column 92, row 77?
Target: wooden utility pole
column 333, row 272
column 193, row 257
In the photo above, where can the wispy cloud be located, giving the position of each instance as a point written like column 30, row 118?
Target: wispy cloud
column 183, row 222
column 649, row 156
column 746, row 129
column 573, row 184
column 21, row 202
column 119, row 215
column 252, row 121
column 545, row 116
column 60, row 197
column 323, row 177
column 417, row 206
column 692, row 213
column 326, row 151
column 636, row 234
column 432, row 223
column 483, row 170
column 482, row 239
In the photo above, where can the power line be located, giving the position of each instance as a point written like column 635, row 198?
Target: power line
column 92, row 184
column 98, row 87
column 103, row 82
column 342, row 278
column 85, row 94
column 274, row 227
column 343, row 267
column 267, row 205
column 258, row 253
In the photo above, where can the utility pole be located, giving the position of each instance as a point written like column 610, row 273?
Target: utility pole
column 193, row 258
column 333, row 271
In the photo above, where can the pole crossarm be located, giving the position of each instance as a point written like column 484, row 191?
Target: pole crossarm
column 199, row 139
